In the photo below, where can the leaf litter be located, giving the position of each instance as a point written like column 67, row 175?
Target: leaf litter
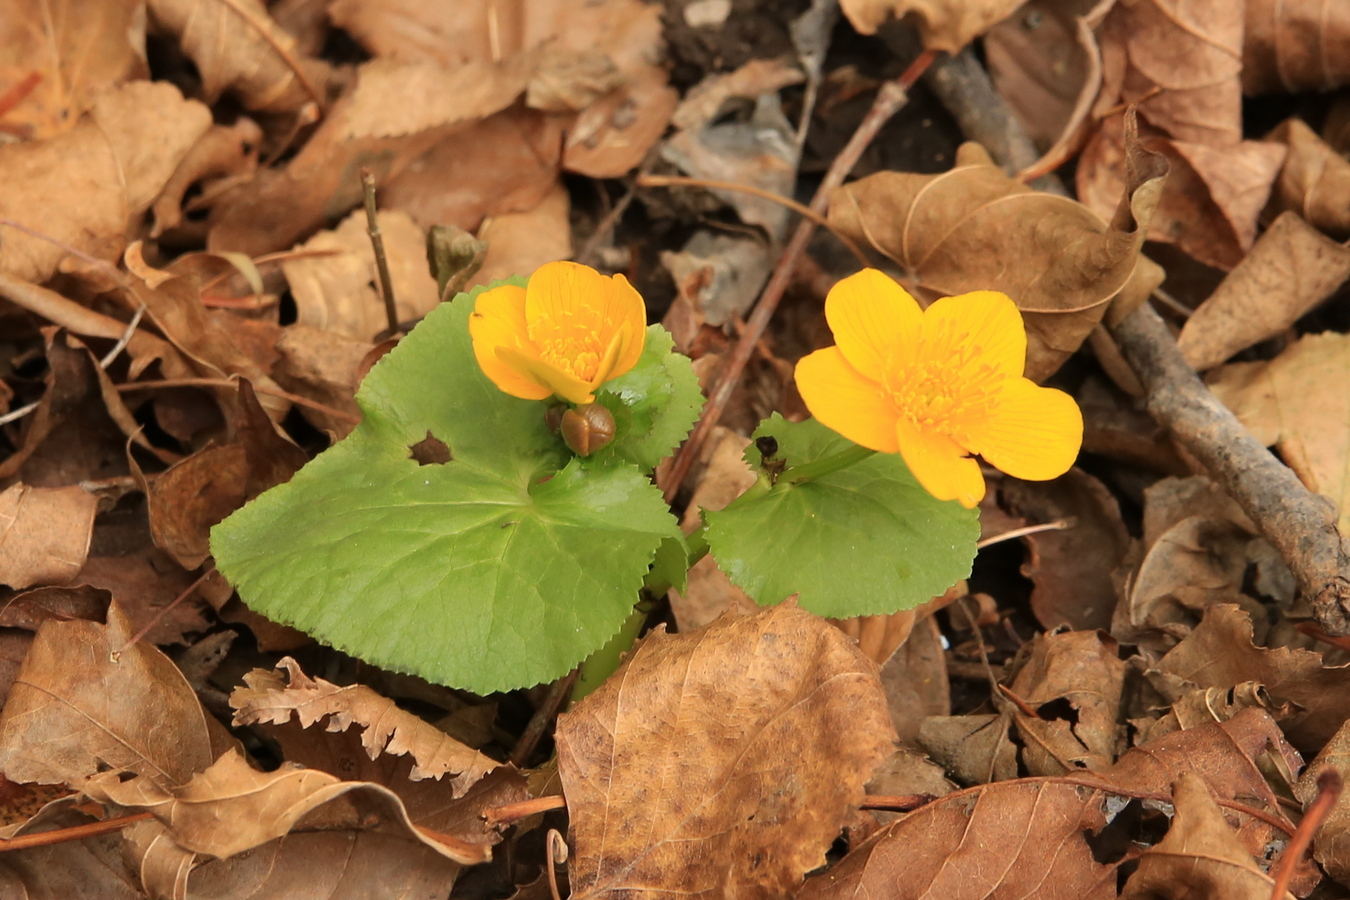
column 1119, row 705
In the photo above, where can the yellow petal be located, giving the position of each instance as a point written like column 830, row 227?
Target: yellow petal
column 498, row 320
column 872, row 318
column 555, row 381
column 624, row 304
column 1034, row 433
column 988, row 327
column 606, row 369
column 940, row 465
column 845, row 401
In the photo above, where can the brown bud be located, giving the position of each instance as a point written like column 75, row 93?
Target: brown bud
column 553, row 416
column 587, row 428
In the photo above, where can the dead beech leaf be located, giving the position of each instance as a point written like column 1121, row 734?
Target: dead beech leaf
column 1024, row 838
column 44, row 534
column 720, row 763
column 322, row 366
column 974, row 228
column 87, row 186
column 336, row 291
column 972, row 749
column 75, row 709
column 76, row 49
column 237, row 47
column 1331, row 845
column 89, row 868
column 1199, row 857
column 915, row 680
column 519, row 243
column 386, row 728
column 1293, row 46
column 1291, row 269
column 1315, row 180
column 1220, row 653
column 1298, row 403
column 944, row 24
column 143, row 583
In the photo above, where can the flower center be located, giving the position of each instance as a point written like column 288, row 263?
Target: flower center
column 944, row 387
column 573, row 340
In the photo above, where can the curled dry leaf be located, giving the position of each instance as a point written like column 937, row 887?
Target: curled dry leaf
column 92, row 867
column 80, row 706
column 1291, row 269
column 1315, row 180
column 1199, row 857
column 1298, row 403
column 944, row 24
column 1331, row 846
column 1293, row 46
column 914, row 677
column 322, row 366
column 85, row 187
column 225, row 150
column 720, row 763
column 334, row 288
column 519, row 243
column 74, row 49
column 974, row 228
column 386, row 728
column 44, row 534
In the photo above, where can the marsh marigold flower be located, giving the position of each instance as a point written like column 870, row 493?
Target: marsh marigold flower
column 938, row 386
column 567, row 332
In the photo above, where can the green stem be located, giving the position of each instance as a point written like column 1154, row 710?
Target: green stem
column 813, row 470
column 605, row 662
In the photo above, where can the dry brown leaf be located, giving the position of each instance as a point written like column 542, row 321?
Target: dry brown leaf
column 1070, row 569
column 1292, row 46
column 1169, row 501
column 392, row 114
column 720, row 763
column 238, row 48
column 1220, row 653
column 519, row 243
column 89, row 185
column 1298, row 402
column 944, row 24
column 322, row 366
column 1024, row 838
column 14, row 645
column 1315, row 180
column 974, row 228
column 89, row 868
column 973, row 749
column 1331, row 845
column 1200, row 706
column 225, row 151
column 914, row 678
column 336, row 291
column 144, row 582
column 75, row 48
column 77, row 708
column 1291, row 269
column 386, row 729
column 1199, row 857
column 1082, row 669
column 44, row 534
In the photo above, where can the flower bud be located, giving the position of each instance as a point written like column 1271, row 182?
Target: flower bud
column 587, row 428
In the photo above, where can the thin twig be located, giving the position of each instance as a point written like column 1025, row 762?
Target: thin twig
column 890, row 98
column 377, row 243
column 611, row 218
column 15, row 95
column 543, row 715
column 233, row 382
column 73, row 833
column 1328, row 791
column 556, row 853
column 897, row 802
column 1057, row 525
column 799, row 208
column 159, row 616
column 514, row 812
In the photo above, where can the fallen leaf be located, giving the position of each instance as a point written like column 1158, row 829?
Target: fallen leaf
column 1315, row 180
column 225, row 151
column 1199, row 857
column 972, row 749
column 334, row 279
column 386, row 729
column 91, row 867
column 1297, row 403
column 914, row 678
column 974, row 228
column 75, row 49
column 14, row 645
column 85, row 187
column 519, row 243
column 735, row 769
column 721, row 275
column 322, row 366
column 1169, row 501
column 1331, row 844
column 1293, row 46
column 144, row 583
column 1291, row 269
column 44, row 534
column 1199, row 706
column 82, row 703
column 944, row 24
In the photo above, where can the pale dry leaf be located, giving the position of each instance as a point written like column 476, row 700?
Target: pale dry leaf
column 915, row 680
column 974, row 228
column 1331, row 845
column 1291, row 269
column 1198, row 706
column 1299, row 403
column 44, row 534
column 519, row 243
column 1199, row 857
column 721, row 763
column 91, row 867
column 76, row 709
column 943, row 24
column 1082, row 669
column 87, row 187
column 322, row 366
column 335, row 284
column 1294, row 46
column 385, row 728
column 74, row 49
column 972, row 749
column 1315, row 180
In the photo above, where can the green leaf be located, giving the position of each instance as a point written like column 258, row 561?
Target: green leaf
column 502, row 568
column 670, row 569
column 654, row 404
column 860, row 541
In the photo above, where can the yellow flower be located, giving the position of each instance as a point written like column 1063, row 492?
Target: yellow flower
column 937, row 386
column 568, row 332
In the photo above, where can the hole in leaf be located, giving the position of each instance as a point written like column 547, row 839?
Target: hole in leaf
column 430, row 451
